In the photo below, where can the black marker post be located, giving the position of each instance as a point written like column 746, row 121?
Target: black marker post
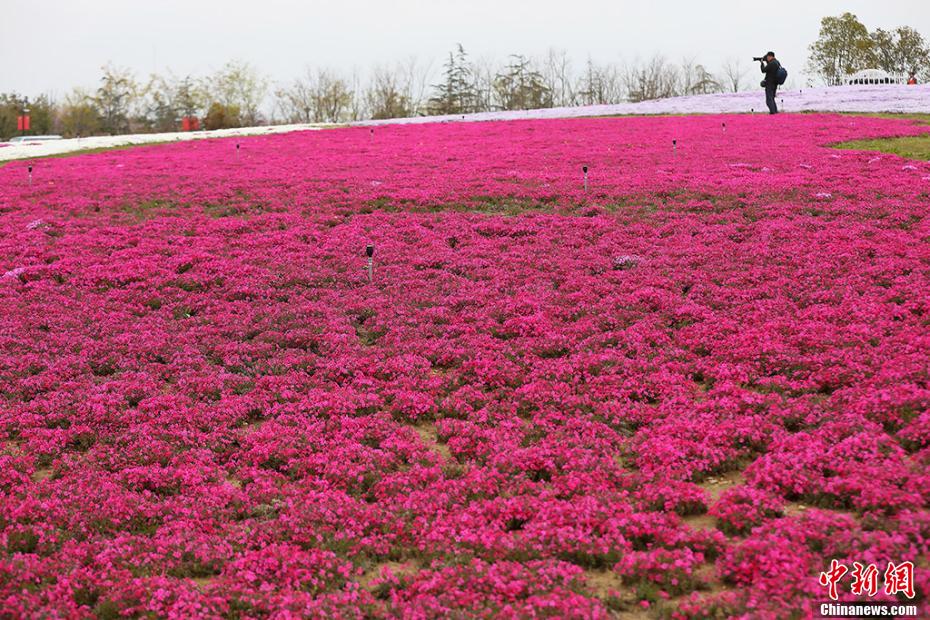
column 29, row 168
column 237, row 151
column 370, row 253
column 585, row 170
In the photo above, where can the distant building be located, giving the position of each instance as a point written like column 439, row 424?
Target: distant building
column 874, row 76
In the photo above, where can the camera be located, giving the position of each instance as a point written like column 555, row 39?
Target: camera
column 758, row 58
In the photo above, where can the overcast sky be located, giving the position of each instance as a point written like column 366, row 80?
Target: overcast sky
column 52, row 45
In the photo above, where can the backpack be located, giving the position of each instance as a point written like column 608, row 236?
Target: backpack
column 782, row 75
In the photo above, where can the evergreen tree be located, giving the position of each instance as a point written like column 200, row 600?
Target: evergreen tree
column 455, row 95
column 521, row 87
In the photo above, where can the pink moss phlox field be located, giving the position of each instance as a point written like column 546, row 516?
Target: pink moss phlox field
column 682, row 391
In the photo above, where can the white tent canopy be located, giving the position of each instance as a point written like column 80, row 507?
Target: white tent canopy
column 874, row 76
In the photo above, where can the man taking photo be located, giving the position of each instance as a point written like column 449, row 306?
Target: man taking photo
column 770, row 68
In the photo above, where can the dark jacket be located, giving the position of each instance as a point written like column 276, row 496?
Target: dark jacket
column 770, row 69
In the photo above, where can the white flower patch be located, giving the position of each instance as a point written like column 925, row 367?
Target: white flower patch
column 626, row 261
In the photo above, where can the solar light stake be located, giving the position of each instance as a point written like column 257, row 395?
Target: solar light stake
column 30, row 175
column 371, row 134
column 675, row 146
column 585, row 170
column 237, row 151
column 370, row 252
column 724, row 127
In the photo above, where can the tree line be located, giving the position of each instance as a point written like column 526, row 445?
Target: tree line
column 845, row 45
column 241, row 95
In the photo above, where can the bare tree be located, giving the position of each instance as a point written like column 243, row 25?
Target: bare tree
column 319, row 96
column 415, row 78
column 697, row 80
column 687, row 76
column 295, row 102
column 358, row 109
column 386, row 95
column 484, row 70
column 599, row 85
column 734, row 75
column 654, row 79
column 333, row 98
column 240, row 85
column 557, row 75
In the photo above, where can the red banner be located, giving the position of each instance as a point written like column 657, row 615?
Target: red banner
column 22, row 123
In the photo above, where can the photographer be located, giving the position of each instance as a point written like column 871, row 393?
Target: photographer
column 770, row 68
